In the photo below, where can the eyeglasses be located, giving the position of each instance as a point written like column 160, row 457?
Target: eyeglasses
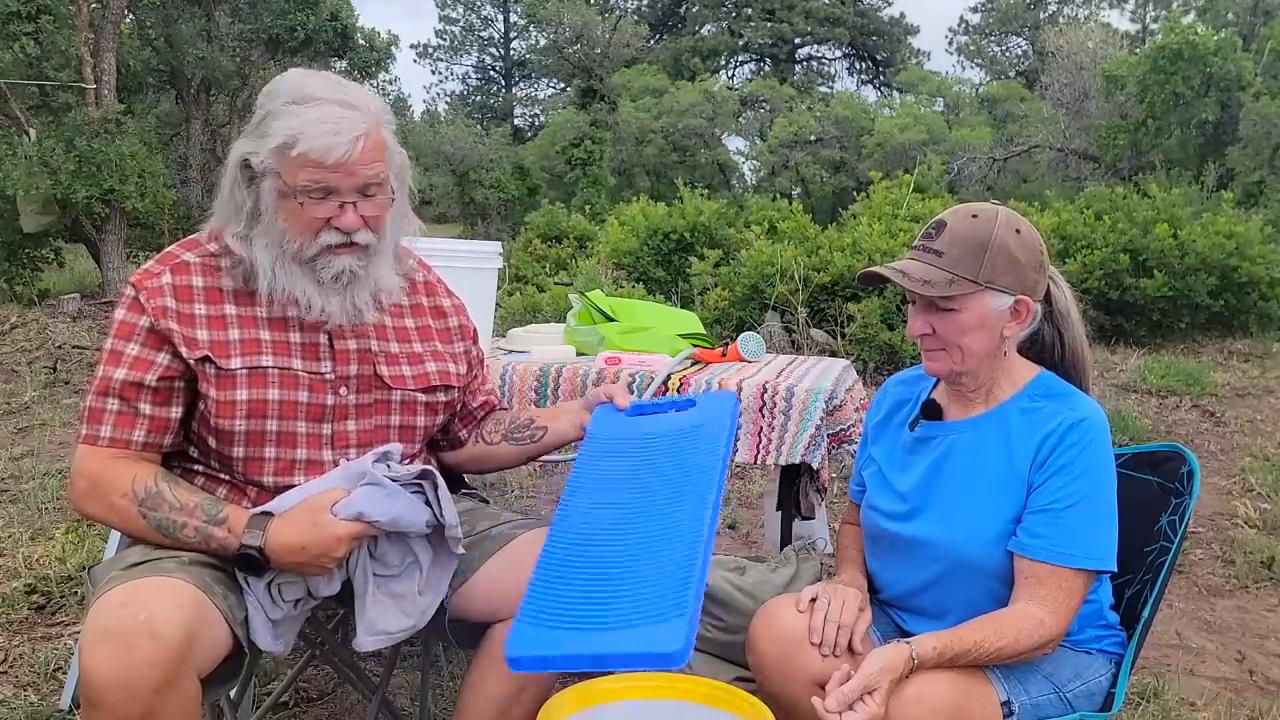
column 327, row 207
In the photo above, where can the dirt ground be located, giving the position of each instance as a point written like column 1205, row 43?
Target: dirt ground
column 1214, row 652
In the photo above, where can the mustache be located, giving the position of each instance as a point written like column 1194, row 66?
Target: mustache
column 330, row 238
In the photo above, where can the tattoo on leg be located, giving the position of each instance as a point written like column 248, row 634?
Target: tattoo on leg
column 510, row 428
column 182, row 513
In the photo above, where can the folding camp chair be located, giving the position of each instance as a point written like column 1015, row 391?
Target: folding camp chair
column 326, row 637
column 1157, row 488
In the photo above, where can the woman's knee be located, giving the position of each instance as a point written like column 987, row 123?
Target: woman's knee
column 776, row 638
column 959, row 693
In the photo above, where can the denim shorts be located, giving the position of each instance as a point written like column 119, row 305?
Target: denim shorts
column 1061, row 683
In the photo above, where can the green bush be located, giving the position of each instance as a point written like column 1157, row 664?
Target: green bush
column 1152, row 263
column 1159, row 264
column 657, row 245
column 554, row 254
column 548, row 249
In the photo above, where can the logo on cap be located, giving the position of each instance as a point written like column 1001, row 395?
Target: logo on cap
column 932, row 231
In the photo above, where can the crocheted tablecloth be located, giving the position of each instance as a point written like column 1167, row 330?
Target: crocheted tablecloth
column 796, row 410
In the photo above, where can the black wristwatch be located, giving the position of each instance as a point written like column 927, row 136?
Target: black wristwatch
column 251, row 556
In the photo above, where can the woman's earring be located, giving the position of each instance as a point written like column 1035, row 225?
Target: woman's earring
column 1006, row 347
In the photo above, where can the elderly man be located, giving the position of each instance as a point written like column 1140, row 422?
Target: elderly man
column 291, row 334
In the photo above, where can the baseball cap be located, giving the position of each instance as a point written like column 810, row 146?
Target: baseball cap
column 969, row 247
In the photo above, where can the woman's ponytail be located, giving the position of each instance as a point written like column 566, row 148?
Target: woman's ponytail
column 1060, row 340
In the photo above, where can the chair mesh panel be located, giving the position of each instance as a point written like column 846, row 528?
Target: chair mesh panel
column 1156, row 489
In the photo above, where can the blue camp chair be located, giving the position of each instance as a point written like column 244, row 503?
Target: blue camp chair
column 1157, row 488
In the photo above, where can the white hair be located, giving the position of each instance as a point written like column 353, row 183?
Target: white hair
column 324, row 117
column 1002, row 301
column 1056, row 336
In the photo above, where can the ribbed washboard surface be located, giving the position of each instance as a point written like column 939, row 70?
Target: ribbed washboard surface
column 620, row 580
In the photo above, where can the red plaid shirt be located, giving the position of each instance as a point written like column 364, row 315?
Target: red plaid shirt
column 246, row 401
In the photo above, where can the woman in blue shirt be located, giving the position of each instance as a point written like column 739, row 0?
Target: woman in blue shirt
column 972, row 564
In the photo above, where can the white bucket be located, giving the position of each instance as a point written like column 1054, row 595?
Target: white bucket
column 470, row 268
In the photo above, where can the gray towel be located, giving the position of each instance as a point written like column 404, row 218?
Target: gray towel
column 398, row 578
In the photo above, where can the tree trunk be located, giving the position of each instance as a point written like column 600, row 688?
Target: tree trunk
column 99, row 47
column 106, row 51
column 198, row 142
column 112, row 261
column 84, row 32
column 70, row 304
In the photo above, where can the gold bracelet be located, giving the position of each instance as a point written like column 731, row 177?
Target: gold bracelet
column 915, row 658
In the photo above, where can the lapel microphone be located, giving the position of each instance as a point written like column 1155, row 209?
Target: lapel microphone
column 930, row 410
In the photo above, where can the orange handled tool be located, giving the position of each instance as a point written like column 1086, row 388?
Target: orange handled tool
column 749, row 347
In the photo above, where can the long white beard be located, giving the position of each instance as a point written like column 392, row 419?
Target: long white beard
column 336, row 289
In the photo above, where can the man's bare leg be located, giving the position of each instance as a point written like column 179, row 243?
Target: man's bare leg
column 144, row 648
column 491, row 690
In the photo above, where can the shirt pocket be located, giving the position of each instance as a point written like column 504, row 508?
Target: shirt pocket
column 255, row 392
column 413, row 397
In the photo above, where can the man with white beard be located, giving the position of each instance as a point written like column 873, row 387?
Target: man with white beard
column 292, row 333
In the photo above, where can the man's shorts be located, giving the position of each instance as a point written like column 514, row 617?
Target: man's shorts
column 486, row 530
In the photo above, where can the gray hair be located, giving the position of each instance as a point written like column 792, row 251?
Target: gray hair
column 1056, row 337
column 322, row 116
column 313, row 113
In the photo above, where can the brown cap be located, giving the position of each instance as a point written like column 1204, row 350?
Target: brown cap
column 967, row 248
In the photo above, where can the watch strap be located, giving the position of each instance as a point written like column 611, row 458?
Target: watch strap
column 255, row 530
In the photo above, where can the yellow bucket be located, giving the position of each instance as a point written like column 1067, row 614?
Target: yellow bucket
column 647, row 695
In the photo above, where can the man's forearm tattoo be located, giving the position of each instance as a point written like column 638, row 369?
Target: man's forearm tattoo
column 181, row 513
column 511, row 428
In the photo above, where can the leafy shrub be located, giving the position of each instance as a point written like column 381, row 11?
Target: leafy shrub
column 549, row 246
column 1158, row 264
column 1152, row 263
column 553, row 255
column 23, row 257
column 656, row 245
column 876, row 340
column 807, row 274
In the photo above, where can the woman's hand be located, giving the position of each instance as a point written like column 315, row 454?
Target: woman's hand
column 839, row 615
column 864, row 695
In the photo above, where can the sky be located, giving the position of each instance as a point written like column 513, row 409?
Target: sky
column 415, row 20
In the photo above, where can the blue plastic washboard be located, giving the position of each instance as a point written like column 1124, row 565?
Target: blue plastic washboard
column 620, row 580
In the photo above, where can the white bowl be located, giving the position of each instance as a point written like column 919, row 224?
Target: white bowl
column 524, row 339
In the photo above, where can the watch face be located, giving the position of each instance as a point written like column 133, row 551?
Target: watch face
column 249, row 563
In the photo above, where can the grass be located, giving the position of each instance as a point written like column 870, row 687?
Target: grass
column 1128, row 427
column 1160, row 698
column 445, row 230
column 1253, row 552
column 1254, row 558
column 78, row 275
column 1155, row 699
column 1168, row 374
column 1262, row 473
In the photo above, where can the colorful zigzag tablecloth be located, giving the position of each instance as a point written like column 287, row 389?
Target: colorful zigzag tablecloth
column 796, row 410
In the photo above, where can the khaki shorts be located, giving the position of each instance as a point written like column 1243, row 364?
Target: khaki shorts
column 486, row 530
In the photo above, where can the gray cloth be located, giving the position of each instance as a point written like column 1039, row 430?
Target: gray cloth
column 736, row 588
column 398, row 578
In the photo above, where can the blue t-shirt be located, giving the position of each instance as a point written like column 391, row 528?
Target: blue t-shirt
column 945, row 507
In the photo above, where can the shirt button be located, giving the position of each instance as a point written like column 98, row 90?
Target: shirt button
column 342, row 390
column 342, row 461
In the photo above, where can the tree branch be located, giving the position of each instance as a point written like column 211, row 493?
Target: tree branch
column 17, row 111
